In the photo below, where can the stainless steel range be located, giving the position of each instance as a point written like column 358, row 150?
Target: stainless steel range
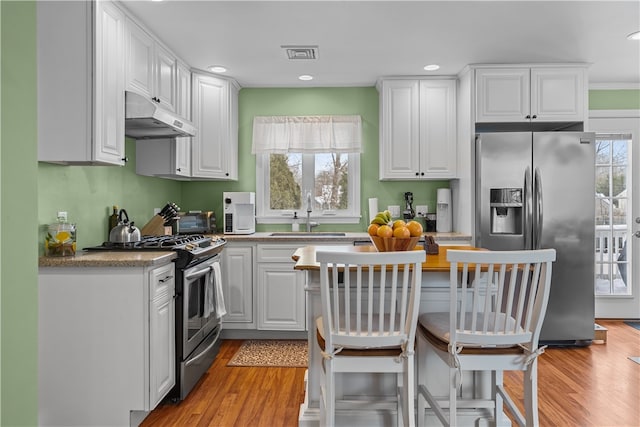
column 198, row 301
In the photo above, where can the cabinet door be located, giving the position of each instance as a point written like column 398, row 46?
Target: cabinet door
column 108, row 131
column 438, row 152
column 183, row 108
column 165, row 77
column 399, row 130
column 558, row 94
column 237, row 269
column 139, row 59
column 281, row 302
column 502, row 95
column 214, row 148
column 161, row 333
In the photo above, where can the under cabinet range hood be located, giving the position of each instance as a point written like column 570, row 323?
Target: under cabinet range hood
column 144, row 119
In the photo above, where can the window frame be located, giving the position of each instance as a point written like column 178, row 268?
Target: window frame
column 264, row 215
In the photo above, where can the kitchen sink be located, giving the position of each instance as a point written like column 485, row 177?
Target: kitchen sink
column 308, row 234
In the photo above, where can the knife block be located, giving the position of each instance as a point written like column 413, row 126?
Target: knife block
column 155, row 227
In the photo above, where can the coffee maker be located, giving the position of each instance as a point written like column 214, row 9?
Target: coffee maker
column 408, row 213
column 443, row 212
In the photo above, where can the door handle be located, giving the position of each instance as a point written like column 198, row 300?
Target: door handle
column 528, row 206
column 537, row 185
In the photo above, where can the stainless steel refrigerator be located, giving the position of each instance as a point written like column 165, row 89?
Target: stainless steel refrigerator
column 536, row 190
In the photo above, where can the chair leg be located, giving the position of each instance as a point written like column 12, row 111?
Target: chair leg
column 531, row 394
column 328, row 397
column 453, row 396
column 422, row 380
column 496, row 381
column 409, row 387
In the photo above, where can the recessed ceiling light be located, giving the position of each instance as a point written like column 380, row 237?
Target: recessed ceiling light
column 305, row 77
column 156, row 0
column 217, row 69
column 431, row 67
column 634, row 36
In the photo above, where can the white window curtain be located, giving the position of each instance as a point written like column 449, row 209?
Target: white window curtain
column 306, row 134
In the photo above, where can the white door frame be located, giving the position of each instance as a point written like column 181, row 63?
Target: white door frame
column 627, row 121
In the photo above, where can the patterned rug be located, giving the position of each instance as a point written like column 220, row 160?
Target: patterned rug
column 274, row 353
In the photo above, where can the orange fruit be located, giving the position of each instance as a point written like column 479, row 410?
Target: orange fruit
column 398, row 223
column 385, row 231
column 401, row 232
column 373, row 229
column 415, row 228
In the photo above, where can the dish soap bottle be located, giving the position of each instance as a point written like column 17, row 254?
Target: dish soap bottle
column 61, row 238
column 295, row 226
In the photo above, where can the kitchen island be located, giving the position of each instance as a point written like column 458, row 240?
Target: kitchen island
column 434, row 297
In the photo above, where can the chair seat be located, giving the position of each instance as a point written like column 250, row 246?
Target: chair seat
column 443, row 345
column 437, row 325
column 356, row 352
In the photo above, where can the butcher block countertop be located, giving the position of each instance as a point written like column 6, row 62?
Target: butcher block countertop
column 109, row 259
column 306, row 257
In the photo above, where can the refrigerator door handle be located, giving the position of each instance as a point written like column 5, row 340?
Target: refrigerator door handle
column 537, row 185
column 528, row 206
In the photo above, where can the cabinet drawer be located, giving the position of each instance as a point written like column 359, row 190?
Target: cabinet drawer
column 161, row 281
column 276, row 253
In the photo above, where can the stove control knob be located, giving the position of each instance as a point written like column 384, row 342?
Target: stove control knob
column 189, row 246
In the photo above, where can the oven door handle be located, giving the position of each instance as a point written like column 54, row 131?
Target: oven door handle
column 198, row 273
column 204, row 352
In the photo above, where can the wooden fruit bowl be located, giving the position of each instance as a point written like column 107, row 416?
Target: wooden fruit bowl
column 391, row 244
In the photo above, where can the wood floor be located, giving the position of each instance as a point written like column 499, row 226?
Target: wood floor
column 591, row 386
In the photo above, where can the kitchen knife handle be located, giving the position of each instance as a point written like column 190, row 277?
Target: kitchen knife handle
column 537, row 185
column 528, row 206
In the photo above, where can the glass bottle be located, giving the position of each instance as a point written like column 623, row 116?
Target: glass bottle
column 61, row 238
column 113, row 220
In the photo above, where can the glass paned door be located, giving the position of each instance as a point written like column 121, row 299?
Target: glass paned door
column 617, row 197
column 613, row 219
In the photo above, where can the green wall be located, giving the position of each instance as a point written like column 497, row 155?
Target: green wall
column 618, row 99
column 31, row 193
column 88, row 193
column 313, row 101
column 19, row 204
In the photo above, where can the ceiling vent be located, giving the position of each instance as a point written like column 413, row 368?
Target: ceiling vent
column 301, row 52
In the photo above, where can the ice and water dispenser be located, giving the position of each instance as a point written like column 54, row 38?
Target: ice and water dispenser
column 506, row 210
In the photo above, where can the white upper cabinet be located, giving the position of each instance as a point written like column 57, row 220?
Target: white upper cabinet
column 169, row 158
column 528, row 94
column 214, row 149
column 417, row 129
column 151, row 69
column 80, row 49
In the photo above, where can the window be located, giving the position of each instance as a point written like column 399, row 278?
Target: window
column 284, row 180
column 307, row 164
column 612, row 213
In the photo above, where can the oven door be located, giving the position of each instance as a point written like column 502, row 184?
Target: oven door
column 198, row 304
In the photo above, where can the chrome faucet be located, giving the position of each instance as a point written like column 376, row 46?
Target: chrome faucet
column 310, row 223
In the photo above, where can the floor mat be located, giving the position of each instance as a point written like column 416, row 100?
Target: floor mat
column 280, row 353
column 633, row 324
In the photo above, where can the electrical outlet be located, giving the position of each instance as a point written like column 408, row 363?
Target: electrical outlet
column 421, row 210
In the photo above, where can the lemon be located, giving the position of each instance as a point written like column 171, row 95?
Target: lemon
column 63, row 236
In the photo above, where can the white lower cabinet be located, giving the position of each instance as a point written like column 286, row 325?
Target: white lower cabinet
column 238, row 273
column 281, row 295
column 106, row 343
column 162, row 359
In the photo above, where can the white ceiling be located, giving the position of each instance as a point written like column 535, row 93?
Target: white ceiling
column 360, row 41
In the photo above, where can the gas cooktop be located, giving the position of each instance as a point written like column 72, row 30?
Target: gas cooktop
column 188, row 246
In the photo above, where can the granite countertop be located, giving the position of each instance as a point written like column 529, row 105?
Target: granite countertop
column 320, row 236
column 109, row 259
